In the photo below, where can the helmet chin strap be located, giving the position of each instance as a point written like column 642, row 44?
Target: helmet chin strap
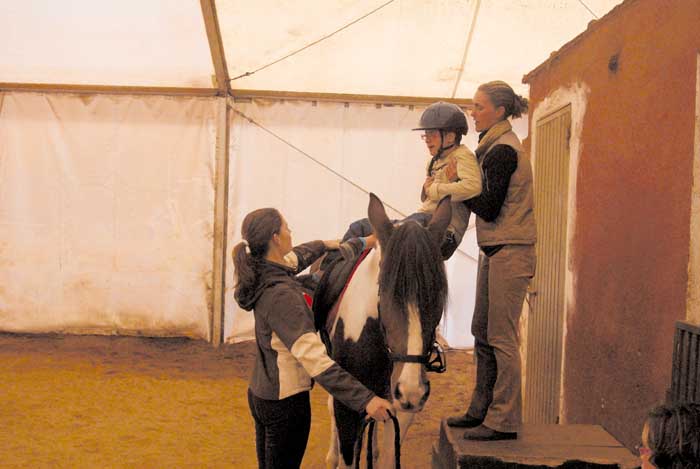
column 442, row 149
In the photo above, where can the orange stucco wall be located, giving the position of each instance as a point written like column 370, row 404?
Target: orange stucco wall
column 630, row 240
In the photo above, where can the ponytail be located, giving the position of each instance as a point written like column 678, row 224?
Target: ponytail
column 520, row 105
column 244, row 266
column 501, row 94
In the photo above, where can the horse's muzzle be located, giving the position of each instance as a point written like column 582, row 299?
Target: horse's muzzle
column 413, row 402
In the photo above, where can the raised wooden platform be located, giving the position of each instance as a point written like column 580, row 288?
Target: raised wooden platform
column 537, row 446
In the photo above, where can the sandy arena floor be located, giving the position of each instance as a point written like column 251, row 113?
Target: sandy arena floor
column 96, row 402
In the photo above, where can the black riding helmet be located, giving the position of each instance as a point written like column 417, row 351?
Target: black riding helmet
column 445, row 117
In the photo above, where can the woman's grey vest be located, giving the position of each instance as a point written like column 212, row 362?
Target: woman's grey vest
column 515, row 223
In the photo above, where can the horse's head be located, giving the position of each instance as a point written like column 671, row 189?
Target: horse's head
column 412, row 296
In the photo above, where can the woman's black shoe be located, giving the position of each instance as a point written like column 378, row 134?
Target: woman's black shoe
column 463, row 421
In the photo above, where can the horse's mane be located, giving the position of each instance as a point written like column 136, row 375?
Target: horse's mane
column 412, row 269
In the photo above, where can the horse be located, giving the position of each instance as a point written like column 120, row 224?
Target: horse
column 384, row 330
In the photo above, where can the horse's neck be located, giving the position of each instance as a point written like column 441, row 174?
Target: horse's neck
column 360, row 301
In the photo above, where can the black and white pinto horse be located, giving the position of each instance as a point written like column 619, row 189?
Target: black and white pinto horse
column 384, row 330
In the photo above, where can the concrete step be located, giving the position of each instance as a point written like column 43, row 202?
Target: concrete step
column 538, row 446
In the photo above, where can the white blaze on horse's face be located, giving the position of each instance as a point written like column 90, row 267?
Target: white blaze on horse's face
column 409, row 385
column 413, row 288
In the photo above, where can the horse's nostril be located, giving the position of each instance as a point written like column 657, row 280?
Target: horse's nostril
column 397, row 393
column 427, row 390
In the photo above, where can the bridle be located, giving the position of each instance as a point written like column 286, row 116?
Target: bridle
column 434, row 359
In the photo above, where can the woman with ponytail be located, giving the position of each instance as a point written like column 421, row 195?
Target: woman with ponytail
column 506, row 234
column 290, row 354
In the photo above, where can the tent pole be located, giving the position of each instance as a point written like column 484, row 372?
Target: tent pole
column 472, row 27
column 216, row 45
column 218, row 57
column 108, row 89
column 385, row 100
column 220, row 222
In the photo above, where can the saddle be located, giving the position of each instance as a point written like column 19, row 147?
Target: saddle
column 329, row 292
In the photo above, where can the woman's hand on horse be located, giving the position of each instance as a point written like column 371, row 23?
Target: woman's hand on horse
column 379, row 409
column 332, row 244
column 371, row 241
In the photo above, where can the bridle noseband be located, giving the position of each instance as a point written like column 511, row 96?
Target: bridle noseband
column 434, row 360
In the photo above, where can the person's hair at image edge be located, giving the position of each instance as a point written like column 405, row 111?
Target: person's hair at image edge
column 257, row 230
column 673, row 436
column 501, row 94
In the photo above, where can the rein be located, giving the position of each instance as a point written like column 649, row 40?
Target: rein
column 358, row 444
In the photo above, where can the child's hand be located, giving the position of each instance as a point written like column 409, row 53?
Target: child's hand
column 451, row 170
column 428, row 182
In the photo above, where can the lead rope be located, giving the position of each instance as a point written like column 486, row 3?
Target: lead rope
column 370, row 431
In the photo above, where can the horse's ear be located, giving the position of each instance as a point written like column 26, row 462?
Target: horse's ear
column 441, row 219
column 381, row 224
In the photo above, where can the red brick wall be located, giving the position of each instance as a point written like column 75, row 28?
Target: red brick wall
column 630, row 244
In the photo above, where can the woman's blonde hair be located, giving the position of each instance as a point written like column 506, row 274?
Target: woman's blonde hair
column 501, row 94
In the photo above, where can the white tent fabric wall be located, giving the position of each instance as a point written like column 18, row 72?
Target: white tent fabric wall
column 369, row 145
column 106, row 209
column 125, row 42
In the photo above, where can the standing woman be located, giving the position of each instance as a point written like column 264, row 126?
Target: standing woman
column 289, row 352
column 506, row 234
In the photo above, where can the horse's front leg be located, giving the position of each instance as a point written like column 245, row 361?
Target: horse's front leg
column 333, row 455
column 387, row 457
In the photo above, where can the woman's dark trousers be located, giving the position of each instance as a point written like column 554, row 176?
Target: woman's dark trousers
column 281, row 430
